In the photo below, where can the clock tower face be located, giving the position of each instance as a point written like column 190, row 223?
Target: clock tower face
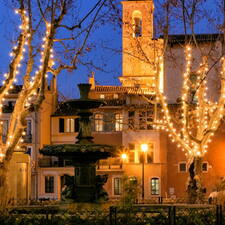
column 140, row 51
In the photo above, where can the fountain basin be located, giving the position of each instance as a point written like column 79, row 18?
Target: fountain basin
column 80, row 153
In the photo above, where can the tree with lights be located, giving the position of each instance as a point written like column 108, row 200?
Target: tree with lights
column 199, row 117
column 69, row 40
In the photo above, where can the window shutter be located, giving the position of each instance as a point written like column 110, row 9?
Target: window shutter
column 76, row 125
column 61, row 125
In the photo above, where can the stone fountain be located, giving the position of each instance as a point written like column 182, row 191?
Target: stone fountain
column 84, row 153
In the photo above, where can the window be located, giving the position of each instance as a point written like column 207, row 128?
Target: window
column 182, row 167
column 61, row 125
column 49, row 184
column 77, row 125
column 70, row 125
column 137, row 24
column 29, row 127
column 155, row 186
column 146, row 119
column 117, row 186
column 98, row 122
column 204, row 167
column 118, row 121
column 131, row 152
column 131, row 118
column 102, row 96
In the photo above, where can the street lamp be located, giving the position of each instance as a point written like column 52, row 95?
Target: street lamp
column 144, row 149
column 123, row 157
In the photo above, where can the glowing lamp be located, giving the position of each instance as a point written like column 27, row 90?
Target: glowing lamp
column 144, row 147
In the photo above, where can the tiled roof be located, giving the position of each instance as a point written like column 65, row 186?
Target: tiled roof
column 181, row 38
column 125, row 90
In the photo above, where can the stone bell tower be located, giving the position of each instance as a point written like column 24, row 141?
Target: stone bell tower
column 140, row 51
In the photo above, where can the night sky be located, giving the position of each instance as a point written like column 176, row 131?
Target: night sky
column 105, row 53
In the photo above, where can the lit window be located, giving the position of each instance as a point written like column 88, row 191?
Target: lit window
column 155, row 186
column 204, row 167
column 118, row 121
column 49, row 184
column 182, row 167
column 69, row 125
column 98, row 122
column 102, row 96
column 28, row 136
column 117, row 186
column 115, row 96
column 150, row 153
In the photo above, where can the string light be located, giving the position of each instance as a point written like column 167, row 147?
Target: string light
column 200, row 117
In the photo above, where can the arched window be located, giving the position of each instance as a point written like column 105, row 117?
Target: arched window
column 137, row 24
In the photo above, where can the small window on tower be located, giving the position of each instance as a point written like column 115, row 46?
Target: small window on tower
column 137, row 24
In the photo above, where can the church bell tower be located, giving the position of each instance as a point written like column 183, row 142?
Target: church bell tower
column 140, row 50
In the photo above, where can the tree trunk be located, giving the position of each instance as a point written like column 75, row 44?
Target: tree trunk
column 4, row 189
column 194, row 188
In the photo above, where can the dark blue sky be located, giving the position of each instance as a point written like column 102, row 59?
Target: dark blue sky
column 105, row 37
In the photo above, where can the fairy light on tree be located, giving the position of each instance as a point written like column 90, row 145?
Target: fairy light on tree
column 25, row 55
column 199, row 118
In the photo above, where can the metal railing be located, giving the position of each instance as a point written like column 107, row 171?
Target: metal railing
column 168, row 214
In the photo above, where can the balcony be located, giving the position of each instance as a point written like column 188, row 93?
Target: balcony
column 109, row 164
column 50, row 162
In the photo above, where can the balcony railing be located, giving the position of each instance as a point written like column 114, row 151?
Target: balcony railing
column 109, row 164
column 49, row 162
column 102, row 165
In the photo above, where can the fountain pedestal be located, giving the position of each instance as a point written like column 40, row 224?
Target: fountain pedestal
column 84, row 153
